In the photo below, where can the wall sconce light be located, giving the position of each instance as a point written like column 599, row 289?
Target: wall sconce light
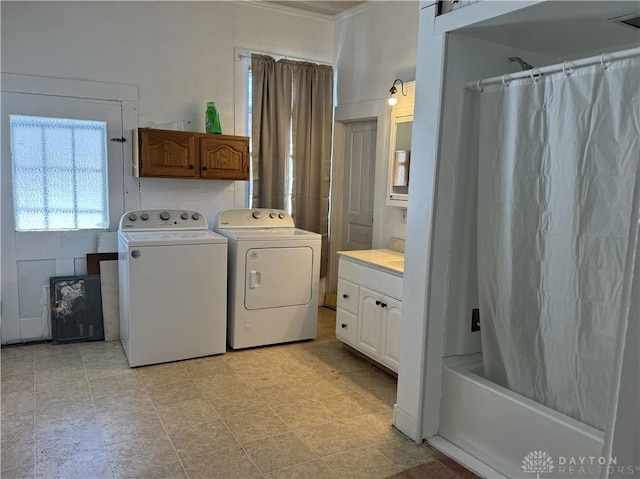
column 393, row 99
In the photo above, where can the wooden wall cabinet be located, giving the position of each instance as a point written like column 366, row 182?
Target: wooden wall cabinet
column 184, row 154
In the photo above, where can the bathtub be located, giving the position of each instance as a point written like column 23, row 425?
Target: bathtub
column 499, row 427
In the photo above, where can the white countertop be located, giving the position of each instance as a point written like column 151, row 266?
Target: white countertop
column 382, row 259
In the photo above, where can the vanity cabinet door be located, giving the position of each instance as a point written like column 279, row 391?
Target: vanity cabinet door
column 391, row 320
column 370, row 322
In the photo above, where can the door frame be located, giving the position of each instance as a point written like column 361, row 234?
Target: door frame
column 373, row 110
column 127, row 98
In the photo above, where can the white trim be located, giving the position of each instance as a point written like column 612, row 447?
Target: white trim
column 366, row 5
column 467, row 460
column 376, row 110
column 274, row 7
column 41, row 85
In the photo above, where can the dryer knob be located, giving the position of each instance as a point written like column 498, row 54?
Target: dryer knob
column 256, row 214
column 195, row 216
column 144, row 216
column 281, row 216
column 133, row 217
column 184, row 216
column 165, row 216
column 272, row 215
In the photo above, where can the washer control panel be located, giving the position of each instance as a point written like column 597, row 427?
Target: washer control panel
column 254, row 218
column 145, row 220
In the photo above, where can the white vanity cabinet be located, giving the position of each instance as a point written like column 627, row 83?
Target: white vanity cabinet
column 369, row 310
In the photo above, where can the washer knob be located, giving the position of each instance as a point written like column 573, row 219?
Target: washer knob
column 272, row 215
column 256, row 214
column 196, row 216
column 165, row 216
column 281, row 216
column 144, row 216
column 133, row 217
column 184, row 216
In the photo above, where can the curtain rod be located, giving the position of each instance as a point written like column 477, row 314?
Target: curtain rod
column 566, row 67
column 241, row 57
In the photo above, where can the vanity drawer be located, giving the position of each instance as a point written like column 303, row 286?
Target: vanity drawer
column 348, row 296
column 346, row 326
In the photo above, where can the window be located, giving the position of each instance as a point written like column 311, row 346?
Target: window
column 59, row 173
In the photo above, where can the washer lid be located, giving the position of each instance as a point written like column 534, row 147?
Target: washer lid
column 169, row 238
column 269, row 234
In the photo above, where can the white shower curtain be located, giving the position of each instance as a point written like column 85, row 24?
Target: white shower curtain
column 558, row 166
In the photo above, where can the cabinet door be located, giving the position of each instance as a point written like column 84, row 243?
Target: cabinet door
column 370, row 322
column 391, row 320
column 167, row 153
column 224, row 157
column 346, row 326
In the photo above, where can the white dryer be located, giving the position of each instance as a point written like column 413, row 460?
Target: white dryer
column 173, row 286
column 274, row 271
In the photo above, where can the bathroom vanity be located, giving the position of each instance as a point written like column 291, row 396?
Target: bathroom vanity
column 369, row 303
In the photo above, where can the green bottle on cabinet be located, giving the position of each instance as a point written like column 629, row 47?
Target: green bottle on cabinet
column 212, row 119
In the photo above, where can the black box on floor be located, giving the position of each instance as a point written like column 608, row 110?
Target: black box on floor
column 76, row 309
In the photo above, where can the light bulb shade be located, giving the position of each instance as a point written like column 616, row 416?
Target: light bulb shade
column 393, row 100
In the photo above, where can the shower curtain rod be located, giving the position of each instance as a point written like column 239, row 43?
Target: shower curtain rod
column 567, row 67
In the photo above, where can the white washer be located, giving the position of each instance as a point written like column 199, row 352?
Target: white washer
column 274, row 271
column 173, row 286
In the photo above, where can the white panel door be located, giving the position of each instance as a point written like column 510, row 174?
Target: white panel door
column 29, row 258
column 277, row 277
column 391, row 320
column 359, row 176
column 370, row 322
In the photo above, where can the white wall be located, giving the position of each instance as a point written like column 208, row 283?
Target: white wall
column 179, row 54
column 372, row 48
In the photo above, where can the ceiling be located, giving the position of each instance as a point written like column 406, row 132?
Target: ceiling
column 331, row 7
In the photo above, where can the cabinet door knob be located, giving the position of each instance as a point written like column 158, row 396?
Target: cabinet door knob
column 204, row 168
column 384, row 305
column 378, row 303
column 345, row 295
column 191, row 167
column 343, row 325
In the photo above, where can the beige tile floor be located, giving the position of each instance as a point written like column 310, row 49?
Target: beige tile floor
column 302, row 410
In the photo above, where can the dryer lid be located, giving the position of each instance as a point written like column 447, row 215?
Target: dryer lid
column 269, row 234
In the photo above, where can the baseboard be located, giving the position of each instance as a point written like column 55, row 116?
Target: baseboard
column 464, row 458
column 406, row 424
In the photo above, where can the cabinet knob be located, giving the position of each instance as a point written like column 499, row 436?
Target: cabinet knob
column 378, row 303
column 191, row 167
column 204, row 168
column 384, row 305
column 343, row 325
column 345, row 295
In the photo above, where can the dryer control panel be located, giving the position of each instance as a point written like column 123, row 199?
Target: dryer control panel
column 254, row 218
column 148, row 220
